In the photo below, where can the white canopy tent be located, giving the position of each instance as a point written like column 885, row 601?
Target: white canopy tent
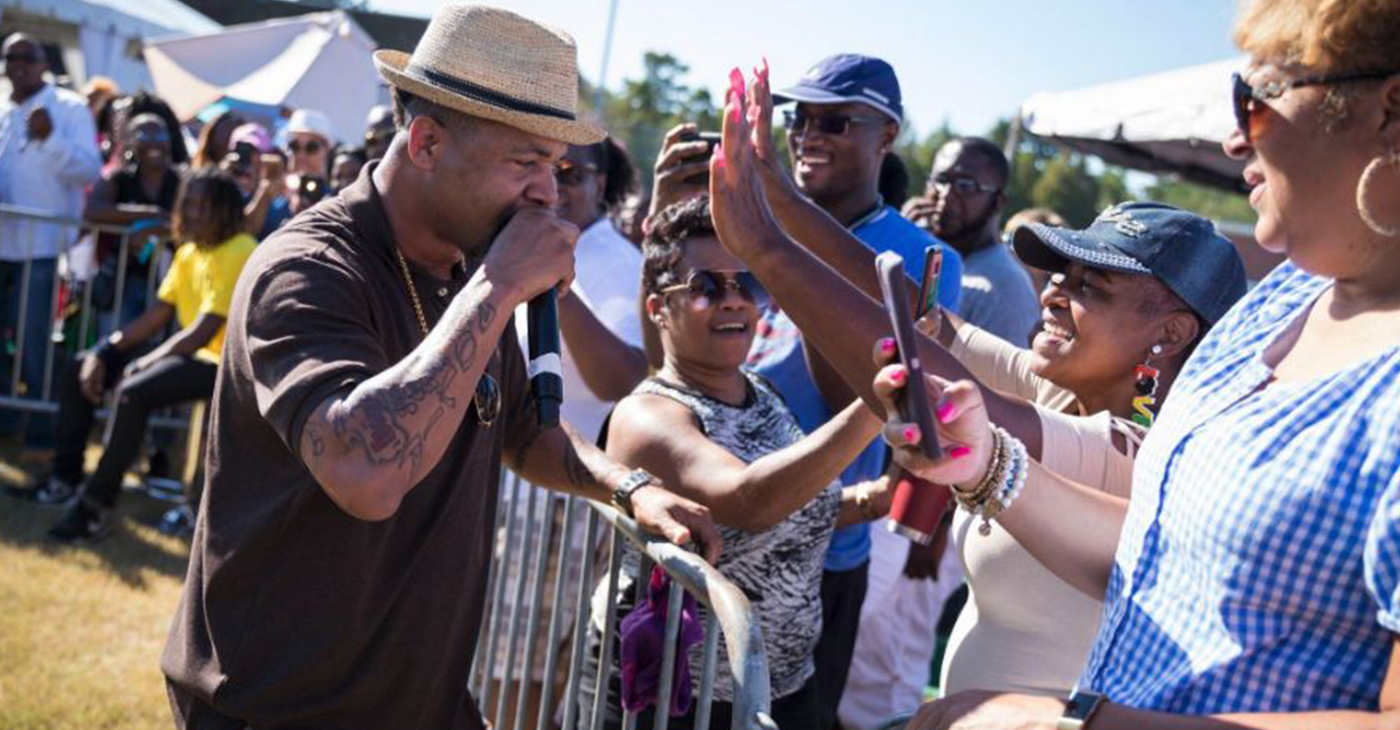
column 1167, row 122
column 107, row 31
column 318, row 61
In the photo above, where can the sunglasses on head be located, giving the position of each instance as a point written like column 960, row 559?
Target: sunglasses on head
column 837, row 125
column 712, row 285
column 1249, row 99
column 569, row 174
column 310, row 147
column 961, row 185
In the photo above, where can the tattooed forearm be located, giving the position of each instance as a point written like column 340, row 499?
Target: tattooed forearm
column 584, row 462
column 522, row 453
column 390, row 418
column 578, row 473
column 313, row 443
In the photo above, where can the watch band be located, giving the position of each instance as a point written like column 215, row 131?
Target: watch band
column 1079, row 709
column 622, row 495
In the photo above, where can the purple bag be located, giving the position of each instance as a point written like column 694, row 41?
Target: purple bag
column 643, row 635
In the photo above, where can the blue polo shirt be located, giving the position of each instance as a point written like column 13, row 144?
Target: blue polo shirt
column 778, row 356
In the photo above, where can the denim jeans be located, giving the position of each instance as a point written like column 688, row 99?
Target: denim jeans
column 38, row 316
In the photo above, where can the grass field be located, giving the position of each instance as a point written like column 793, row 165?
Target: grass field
column 82, row 628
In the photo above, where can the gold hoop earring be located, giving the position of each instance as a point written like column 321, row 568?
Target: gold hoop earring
column 1363, row 194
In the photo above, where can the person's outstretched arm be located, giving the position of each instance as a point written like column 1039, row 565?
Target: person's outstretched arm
column 662, row 436
column 841, row 319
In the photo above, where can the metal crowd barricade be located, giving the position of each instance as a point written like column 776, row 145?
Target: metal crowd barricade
column 531, row 541
column 40, row 397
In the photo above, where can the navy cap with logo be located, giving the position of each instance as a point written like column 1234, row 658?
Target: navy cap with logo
column 848, row 77
column 1181, row 249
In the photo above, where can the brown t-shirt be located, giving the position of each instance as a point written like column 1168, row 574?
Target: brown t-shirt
column 294, row 613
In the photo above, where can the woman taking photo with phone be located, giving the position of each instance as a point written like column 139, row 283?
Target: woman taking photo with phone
column 1130, row 297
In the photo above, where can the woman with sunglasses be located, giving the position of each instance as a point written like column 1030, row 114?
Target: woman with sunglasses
column 723, row 437
column 141, row 193
column 1254, row 580
column 1129, row 298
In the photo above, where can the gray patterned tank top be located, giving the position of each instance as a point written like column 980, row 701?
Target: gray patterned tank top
column 778, row 569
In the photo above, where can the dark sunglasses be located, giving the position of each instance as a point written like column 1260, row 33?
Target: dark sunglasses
column 568, row 174
column 21, row 58
column 1248, row 99
column 714, row 284
column 487, row 400
column 836, row 125
column 961, row 185
column 311, row 147
column 150, row 136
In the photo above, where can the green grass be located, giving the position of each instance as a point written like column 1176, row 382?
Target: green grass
column 82, row 628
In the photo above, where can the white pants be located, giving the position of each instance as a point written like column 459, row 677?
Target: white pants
column 896, row 639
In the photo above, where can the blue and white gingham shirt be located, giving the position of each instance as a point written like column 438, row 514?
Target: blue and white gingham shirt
column 1259, row 565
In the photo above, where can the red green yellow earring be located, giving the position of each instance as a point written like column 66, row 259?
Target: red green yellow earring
column 1145, row 385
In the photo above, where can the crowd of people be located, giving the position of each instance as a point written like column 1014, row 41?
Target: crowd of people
column 158, row 276
column 1175, row 493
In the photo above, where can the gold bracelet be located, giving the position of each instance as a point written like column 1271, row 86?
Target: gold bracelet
column 974, row 499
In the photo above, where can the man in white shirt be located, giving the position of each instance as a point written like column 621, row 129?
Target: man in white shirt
column 48, row 155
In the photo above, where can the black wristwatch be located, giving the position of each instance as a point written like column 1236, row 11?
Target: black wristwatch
column 622, row 495
column 1080, row 707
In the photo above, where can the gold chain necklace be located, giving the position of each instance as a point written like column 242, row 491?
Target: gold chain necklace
column 412, row 291
column 488, row 397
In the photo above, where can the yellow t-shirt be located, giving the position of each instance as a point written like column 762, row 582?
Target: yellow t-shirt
column 201, row 281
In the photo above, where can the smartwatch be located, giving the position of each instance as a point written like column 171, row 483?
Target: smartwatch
column 1080, row 707
column 622, row 495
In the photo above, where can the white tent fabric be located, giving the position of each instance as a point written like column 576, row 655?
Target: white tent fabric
column 1166, row 122
column 318, row 61
column 107, row 27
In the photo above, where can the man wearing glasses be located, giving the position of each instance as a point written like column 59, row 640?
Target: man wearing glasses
column 962, row 205
column 48, row 154
column 847, row 115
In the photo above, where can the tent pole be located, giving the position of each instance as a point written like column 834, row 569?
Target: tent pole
column 607, row 52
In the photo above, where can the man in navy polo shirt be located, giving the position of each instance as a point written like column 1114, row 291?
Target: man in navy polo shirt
column 847, row 116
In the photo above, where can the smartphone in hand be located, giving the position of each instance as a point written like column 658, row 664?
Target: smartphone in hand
column 928, row 286
column 913, row 403
column 710, row 138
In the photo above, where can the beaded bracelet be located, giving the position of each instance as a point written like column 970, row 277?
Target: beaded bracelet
column 1003, row 482
column 973, row 499
column 1009, row 485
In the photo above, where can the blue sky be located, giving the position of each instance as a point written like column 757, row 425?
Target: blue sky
column 969, row 61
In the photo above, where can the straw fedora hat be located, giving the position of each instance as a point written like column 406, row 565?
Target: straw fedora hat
column 494, row 64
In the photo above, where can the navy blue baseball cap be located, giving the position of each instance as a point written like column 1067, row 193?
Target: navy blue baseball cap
column 1181, row 249
column 848, row 77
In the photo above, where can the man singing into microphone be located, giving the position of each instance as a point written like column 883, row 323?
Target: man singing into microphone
column 368, row 396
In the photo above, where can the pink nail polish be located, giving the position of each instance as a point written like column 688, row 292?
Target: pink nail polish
column 911, row 435
column 946, row 412
column 899, row 375
column 958, row 452
column 736, row 84
column 887, row 345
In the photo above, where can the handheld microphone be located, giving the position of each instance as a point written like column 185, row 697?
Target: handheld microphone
column 546, row 370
